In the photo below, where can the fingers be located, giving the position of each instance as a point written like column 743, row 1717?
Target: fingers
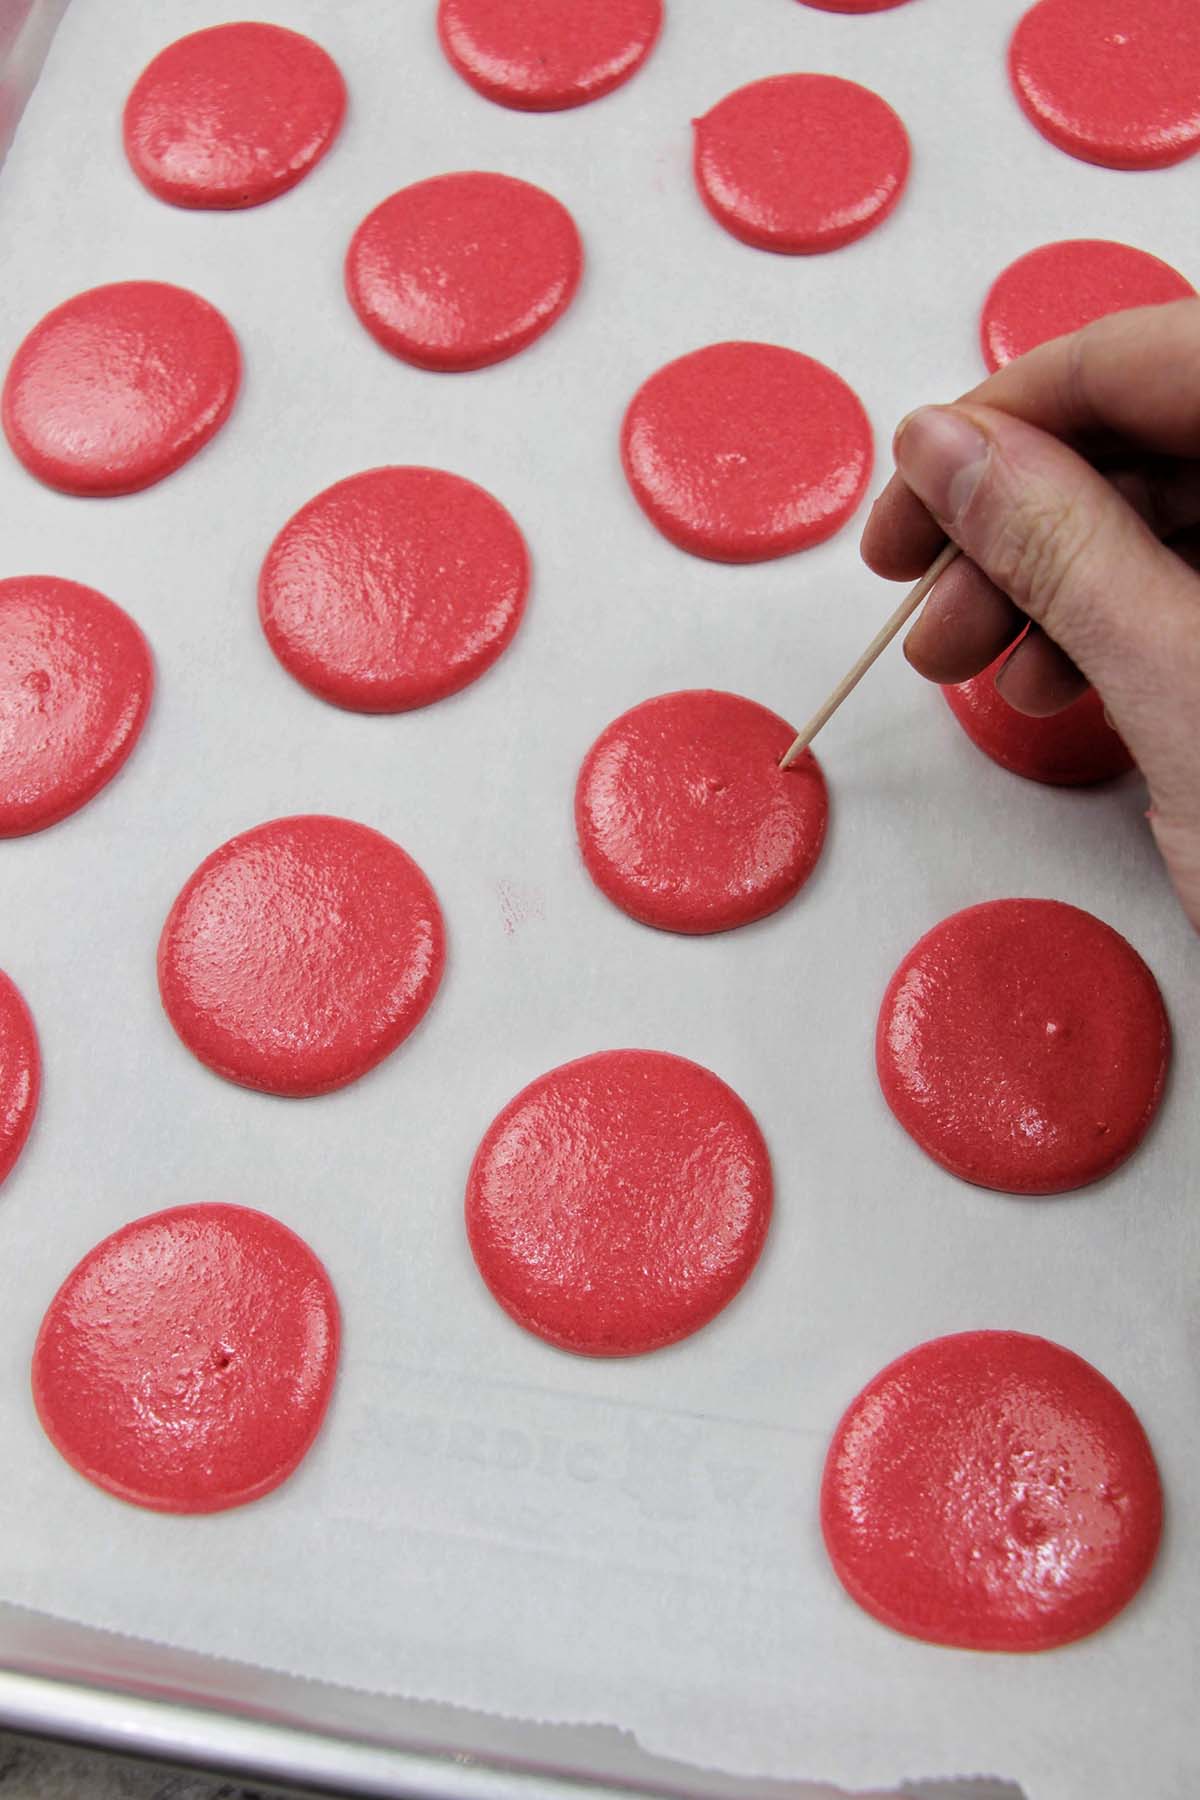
column 1039, row 678
column 1043, row 526
column 900, row 539
column 1050, row 531
column 967, row 622
column 1178, row 838
column 1129, row 379
column 965, row 625
column 1007, row 474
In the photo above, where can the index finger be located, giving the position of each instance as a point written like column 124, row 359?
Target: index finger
column 1131, row 378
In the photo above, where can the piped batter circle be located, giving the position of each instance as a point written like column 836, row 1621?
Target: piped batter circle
column 118, row 386
column 463, row 270
column 800, row 163
column 394, row 588
column 991, row 1491
column 1115, row 82
column 300, row 954
column 1073, row 748
column 187, row 1362
column 740, row 452
column 619, row 1202
column 232, row 115
column 540, row 56
column 685, row 819
column 20, row 1074
column 1024, row 1045
column 75, row 685
column 1059, row 288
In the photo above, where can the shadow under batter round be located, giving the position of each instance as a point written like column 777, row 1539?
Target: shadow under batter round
column 300, row 954
column 187, row 1362
column 685, row 819
column 1024, row 1045
column 991, row 1491
column 618, row 1203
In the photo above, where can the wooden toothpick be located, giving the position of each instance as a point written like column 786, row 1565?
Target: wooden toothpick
column 878, row 643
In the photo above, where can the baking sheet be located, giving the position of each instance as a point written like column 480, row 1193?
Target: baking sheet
column 485, row 1521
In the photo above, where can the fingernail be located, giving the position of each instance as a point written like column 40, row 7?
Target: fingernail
column 942, row 456
column 1001, row 678
column 902, row 427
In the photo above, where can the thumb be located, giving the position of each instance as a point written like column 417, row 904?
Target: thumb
column 1056, row 537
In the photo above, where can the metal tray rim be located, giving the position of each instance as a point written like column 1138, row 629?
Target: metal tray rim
column 132, row 1724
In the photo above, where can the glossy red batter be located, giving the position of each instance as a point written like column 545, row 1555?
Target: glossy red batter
column 991, row 1491
column 394, row 588
column 619, row 1202
column 300, row 954
column 117, row 387
column 187, row 1362
column 686, row 820
column 20, row 1074
column 1059, row 288
column 233, row 115
column 1073, row 748
column 75, row 684
column 1115, row 82
column 540, row 56
column 740, row 452
column 463, row 270
column 1024, row 1045
column 853, row 6
column 800, row 163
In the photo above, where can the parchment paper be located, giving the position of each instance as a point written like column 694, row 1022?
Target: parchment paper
column 485, row 1521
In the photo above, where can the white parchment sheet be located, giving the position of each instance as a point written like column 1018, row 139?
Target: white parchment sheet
column 484, row 1520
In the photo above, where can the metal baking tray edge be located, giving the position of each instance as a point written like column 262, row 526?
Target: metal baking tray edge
column 175, row 1727
column 66, row 1681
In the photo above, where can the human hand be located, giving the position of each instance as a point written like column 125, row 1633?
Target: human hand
column 1071, row 480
